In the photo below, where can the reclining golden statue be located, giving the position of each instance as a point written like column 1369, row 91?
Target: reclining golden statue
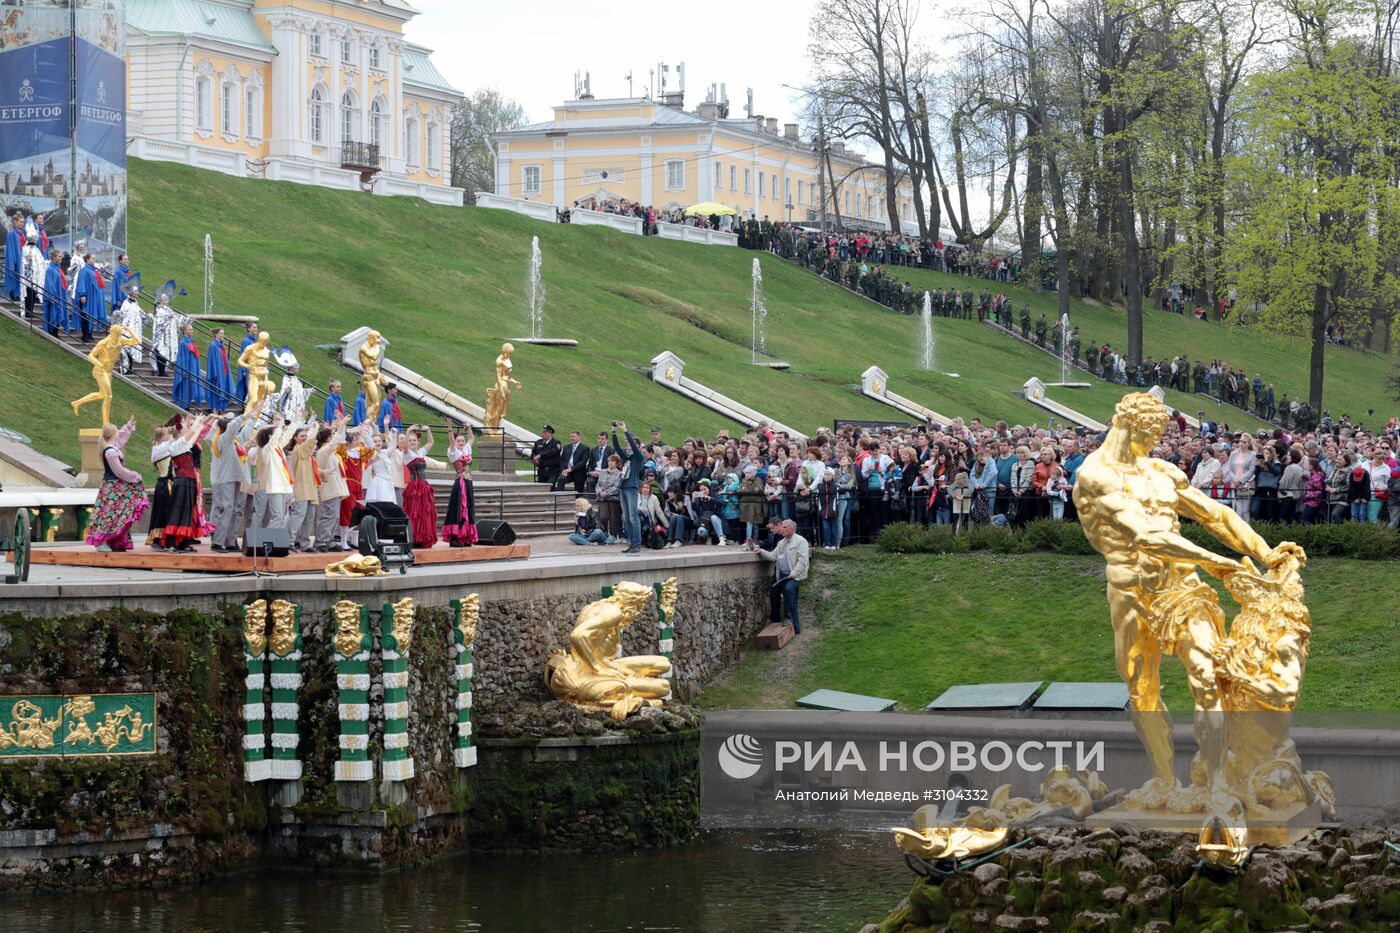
column 357, row 565
column 591, row 675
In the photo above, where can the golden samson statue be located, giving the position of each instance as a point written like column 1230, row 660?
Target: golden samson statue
column 498, row 396
column 103, row 357
column 255, row 359
column 371, row 378
column 592, row 674
column 1247, row 784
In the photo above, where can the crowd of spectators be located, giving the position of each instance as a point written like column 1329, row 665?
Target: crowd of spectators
column 842, row 486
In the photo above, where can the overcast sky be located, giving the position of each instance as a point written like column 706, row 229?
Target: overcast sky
column 530, row 49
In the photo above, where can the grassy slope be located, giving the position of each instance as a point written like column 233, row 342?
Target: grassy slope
column 1354, row 379
column 908, row 627
column 446, row 286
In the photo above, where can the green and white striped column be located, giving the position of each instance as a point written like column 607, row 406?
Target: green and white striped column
column 285, row 670
column 666, row 631
column 396, row 636
column 256, row 767
column 465, row 613
column 351, row 645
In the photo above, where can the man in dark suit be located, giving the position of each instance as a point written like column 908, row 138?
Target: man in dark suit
column 598, row 461
column 573, row 460
column 545, row 455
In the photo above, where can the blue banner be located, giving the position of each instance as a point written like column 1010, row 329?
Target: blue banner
column 99, row 138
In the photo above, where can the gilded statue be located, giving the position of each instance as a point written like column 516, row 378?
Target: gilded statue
column 468, row 618
column 498, row 396
column 103, row 357
column 348, row 637
column 284, row 628
column 1130, row 506
column 370, row 377
column 985, row 828
column 669, row 591
column 255, row 359
column 357, row 565
column 402, row 627
column 592, row 675
column 255, row 627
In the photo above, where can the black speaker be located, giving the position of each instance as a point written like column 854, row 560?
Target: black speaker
column 497, row 533
column 266, row 542
column 385, row 532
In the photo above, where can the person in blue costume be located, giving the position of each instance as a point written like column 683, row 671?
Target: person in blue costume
column 359, row 416
column 335, row 402
column 218, row 378
column 14, row 256
column 91, row 299
column 187, row 389
column 56, row 314
column 117, row 287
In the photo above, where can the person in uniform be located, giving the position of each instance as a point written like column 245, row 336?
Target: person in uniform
column 545, row 455
column 1074, row 345
column 1040, row 330
column 1025, row 322
column 1091, row 357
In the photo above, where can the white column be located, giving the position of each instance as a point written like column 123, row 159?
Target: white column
column 558, row 181
column 284, row 86
column 365, row 95
column 503, row 176
column 646, row 177
column 705, row 191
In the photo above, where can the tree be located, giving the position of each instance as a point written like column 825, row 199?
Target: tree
column 474, row 119
column 1320, row 232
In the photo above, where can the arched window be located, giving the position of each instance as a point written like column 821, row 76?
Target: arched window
column 318, row 116
column 376, row 123
column 347, row 117
column 253, row 107
column 432, row 147
column 374, row 58
column 316, row 47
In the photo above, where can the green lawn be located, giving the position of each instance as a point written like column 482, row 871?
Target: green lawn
column 909, row 627
column 446, row 286
column 1355, row 379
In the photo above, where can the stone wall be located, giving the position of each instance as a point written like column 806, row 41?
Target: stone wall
column 97, row 819
column 1123, row 880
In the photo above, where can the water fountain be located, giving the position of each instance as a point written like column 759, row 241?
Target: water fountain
column 1065, row 362
column 926, row 360
column 758, row 311
column 537, row 296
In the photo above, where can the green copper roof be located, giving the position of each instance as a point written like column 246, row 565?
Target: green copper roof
column 418, row 69
column 230, row 22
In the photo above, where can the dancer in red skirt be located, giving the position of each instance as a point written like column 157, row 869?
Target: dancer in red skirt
column 459, row 524
column 418, row 499
column 122, row 498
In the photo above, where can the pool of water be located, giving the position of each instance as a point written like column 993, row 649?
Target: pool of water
column 729, row 880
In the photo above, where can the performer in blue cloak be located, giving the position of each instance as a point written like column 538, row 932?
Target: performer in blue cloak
column 359, row 416
column 117, row 287
column 91, row 300
column 240, row 389
column 335, row 403
column 14, row 257
column 187, row 390
column 217, row 375
column 56, row 296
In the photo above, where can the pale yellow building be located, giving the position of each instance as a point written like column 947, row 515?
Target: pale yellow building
column 323, row 92
column 659, row 154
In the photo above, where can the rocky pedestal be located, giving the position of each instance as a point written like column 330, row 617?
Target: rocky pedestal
column 90, row 440
column 493, row 457
column 1124, row 880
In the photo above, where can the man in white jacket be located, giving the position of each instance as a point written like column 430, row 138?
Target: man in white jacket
column 791, row 557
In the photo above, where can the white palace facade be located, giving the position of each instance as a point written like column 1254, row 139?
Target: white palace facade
column 324, row 92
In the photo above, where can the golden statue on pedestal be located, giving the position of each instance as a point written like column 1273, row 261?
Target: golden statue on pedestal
column 104, row 357
column 1247, row 784
column 498, row 396
column 592, row 674
column 371, row 378
column 255, row 359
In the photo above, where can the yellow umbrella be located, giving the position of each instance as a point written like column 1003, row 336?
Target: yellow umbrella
column 706, row 208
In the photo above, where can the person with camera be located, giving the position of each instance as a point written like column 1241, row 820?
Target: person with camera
column 633, row 460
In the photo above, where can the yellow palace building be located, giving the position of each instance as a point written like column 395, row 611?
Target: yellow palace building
column 324, row 92
column 656, row 153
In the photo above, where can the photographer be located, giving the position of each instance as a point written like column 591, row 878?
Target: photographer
column 633, row 461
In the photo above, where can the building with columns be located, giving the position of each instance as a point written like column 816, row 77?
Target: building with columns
column 656, row 153
column 324, row 92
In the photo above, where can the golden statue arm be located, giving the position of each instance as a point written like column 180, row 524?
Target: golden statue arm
column 1128, row 518
column 581, row 639
column 1222, row 522
column 246, row 356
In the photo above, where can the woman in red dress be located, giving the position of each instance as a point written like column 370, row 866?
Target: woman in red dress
column 354, row 497
column 418, row 498
column 185, row 524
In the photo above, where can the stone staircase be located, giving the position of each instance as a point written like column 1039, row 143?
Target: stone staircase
column 532, row 509
column 143, row 376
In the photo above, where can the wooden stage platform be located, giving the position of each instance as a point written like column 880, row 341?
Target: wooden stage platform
column 203, row 559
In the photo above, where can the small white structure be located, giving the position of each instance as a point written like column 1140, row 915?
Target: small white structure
column 669, row 370
column 1161, row 396
column 423, row 390
column 875, row 384
column 1035, row 394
